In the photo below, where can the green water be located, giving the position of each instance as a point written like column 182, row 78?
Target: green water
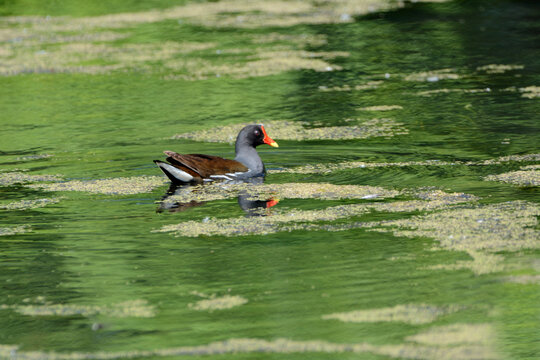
column 92, row 275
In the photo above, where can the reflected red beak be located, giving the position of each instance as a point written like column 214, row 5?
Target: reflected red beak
column 271, row 203
column 267, row 139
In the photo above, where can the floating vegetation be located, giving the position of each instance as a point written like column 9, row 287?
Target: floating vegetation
column 10, row 178
column 381, row 108
column 79, row 45
column 219, row 303
column 327, row 168
column 34, row 157
column 228, row 13
column 411, row 314
column 456, row 334
column 297, row 219
column 498, row 68
column 520, row 177
column 39, row 44
column 505, row 226
column 29, row 204
column 14, row 230
column 511, row 158
column 523, row 279
column 446, row 91
column 72, row 57
column 225, row 13
column 433, row 75
column 116, row 186
column 83, row 54
column 277, row 346
column 263, row 192
column 531, row 167
column 300, row 40
column 479, row 231
column 370, row 85
column 264, row 225
column 530, row 92
column 255, row 14
column 132, row 308
column 285, row 130
column 264, row 63
column 29, row 38
column 481, row 263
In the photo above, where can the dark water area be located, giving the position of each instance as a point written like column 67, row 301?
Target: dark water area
column 398, row 218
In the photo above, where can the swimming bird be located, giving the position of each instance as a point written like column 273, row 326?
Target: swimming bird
column 199, row 168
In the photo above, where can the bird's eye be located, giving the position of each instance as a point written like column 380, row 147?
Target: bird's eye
column 257, row 132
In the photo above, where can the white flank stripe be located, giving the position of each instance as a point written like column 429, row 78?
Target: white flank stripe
column 220, row 177
column 177, row 173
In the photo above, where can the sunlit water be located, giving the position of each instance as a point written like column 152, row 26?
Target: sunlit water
column 408, row 232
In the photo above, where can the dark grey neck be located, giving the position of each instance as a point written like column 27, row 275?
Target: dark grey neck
column 247, row 155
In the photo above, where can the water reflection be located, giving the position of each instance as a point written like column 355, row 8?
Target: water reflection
column 252, row 207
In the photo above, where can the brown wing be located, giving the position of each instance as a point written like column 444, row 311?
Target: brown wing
column 200, row 165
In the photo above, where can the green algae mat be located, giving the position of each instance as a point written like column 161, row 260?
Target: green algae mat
column 398, row 219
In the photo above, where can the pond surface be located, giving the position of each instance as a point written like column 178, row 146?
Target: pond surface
column 398, row 219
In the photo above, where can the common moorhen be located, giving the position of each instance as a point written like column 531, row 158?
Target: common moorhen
column 198, row 168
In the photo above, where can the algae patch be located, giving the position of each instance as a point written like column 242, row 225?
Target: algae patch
column 481, row 263
column 410, row 314
column 6, row 231
column 531, row 167
column 298, row 131
column 74, row 57
column 116, row 186
column 264, row 225
column 447, row 91
column 40, row 49
column 456, row 334
column 433, row 75
column 10, row 178
column 480, row 231
column 530, row 92
column 297, row 39
column 219, row 303
column 523, row 279
column 505, row 226
column 281, row 191
column 521, row 178
column 296, row 219
column 370, row 85
column 67, row 45
column 381, row 108
column 34, row 157
column 132, row 308
column 512, row 158
column 29, row 204
column 327, row 168
column 276, row 346
column 264, row 63
column 499, row 68
column 225, row 13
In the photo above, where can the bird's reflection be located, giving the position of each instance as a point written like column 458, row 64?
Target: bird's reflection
column 245, row 199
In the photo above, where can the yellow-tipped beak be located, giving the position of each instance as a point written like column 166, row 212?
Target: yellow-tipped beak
column 267, row 139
